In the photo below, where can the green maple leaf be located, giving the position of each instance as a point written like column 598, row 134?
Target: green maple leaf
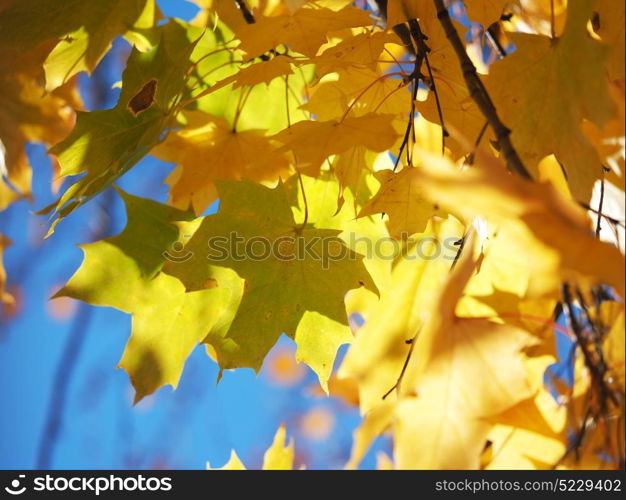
column 84, row 30
column 287, row 290
column 214, row 66
column 106, row 143
column 123, row 272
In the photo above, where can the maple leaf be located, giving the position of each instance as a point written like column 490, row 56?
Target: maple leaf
column 568, row 76
column 352, row 170
column 485, row 12
column 542, row 17
column 123, row 272
column 312, row 142
column 360, row 51
column 208, row 149
column 84, row 30
column 446, row 350
column 279, row 456
column 376, row 357
column 359, row 234
column 534, row 216
column 105, row 144
column 609, row 139
column 399, row 197
column 28, row 114
column 401, row 11
column 262, row 72
column 439, row 417
column 531, row 434
column 304, row 31
column 331, row 98
column 281, row 286
column 610, row 27
column 226, row 87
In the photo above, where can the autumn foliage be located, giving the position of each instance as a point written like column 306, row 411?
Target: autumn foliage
column 438, row 170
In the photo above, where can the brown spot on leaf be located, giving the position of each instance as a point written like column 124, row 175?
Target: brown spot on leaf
column 143, row 99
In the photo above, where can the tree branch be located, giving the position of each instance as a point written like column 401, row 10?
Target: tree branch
column 60, row 386
column 479, row 94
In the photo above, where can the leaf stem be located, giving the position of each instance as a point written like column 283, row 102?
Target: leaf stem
column 306, row 204
column 600, row 205
column 397, row 385
column 243, row 97
column 369, row 86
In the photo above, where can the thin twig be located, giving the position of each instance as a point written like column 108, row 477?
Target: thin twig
column 472, row 156
column 306, row 205
column 420, row 38
column 287, row 101
column 480, row 95
column 245, row 11
column 461, row 245
column 494, row 40
column 414, row 77
column 600, row 204
column 398, row 383
column 243, row 98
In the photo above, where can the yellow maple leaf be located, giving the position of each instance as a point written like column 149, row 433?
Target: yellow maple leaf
column 542, row 17
column 610, row 27
column 304, row 31
column 279, row 456
column 376, row 357
column 609, row 139
column 27, row 113
column 262, row 72
column 401, row 11
column 531, row 434
column 441, row 421
column 399, row 197
column 545, row 89
column 208, row 149
column 360, row 89
column 311, row 142
column 440, row 417
column 362, row 50
column 485, row 12
column 534, row 216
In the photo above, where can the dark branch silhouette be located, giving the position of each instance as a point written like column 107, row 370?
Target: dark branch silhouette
column 480, row 95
